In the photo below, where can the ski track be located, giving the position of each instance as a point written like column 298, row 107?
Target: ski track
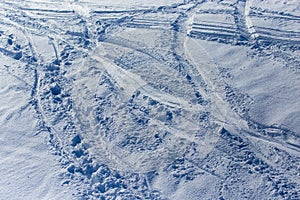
column 117, row 132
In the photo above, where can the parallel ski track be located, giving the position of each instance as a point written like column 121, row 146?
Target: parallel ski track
column 270, row 34
column 149, row 23
column 221, row 111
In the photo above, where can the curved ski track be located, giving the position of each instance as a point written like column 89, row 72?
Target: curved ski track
column 118, row 143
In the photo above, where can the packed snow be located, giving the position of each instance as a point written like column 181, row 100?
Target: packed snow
column 171, row 99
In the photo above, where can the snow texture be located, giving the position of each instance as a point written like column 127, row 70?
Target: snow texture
column 171, row 99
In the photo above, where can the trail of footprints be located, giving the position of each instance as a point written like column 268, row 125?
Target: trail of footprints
column 231, row 161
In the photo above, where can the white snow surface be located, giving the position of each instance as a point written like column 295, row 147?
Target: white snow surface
column 28, row 170
column 171, row 99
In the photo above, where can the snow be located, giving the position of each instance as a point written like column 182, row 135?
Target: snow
column 151, row 99
column 28, row 170
column 266, row 83
column 261, row 17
